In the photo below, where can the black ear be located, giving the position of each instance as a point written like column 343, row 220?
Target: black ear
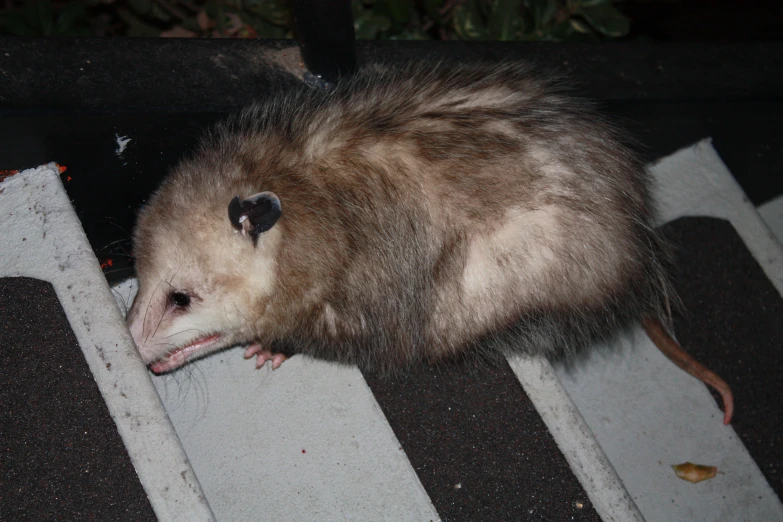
column 255, row 214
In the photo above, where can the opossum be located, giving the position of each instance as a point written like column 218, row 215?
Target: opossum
column 410, row 215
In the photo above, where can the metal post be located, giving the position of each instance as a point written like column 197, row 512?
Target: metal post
column 324, row 29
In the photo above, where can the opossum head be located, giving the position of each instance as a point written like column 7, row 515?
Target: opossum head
column 205, row 272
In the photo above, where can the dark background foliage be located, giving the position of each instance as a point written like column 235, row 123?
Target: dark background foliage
column 542, row 20
column 386, row 19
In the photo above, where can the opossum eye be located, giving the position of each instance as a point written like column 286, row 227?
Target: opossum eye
column 179, row 299
column 255, row 214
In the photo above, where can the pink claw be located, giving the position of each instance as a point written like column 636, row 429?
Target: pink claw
column 263, row 355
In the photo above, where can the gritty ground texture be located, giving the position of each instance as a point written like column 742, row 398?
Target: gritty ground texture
column 61, row 456
column 479, row 447
column 646, row 413
column 733, row 322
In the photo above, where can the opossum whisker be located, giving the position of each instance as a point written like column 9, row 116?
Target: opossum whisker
column 147, row 308
column 122, row 298
column 118, row 270
column 180, row 332
column 171, row 286
column 115, row 242
column 114, row 223
column 160, row 320
column 121, row 254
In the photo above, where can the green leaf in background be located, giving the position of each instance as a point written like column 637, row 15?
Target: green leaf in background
column 605, row 19
column 580, row 26
column 191, row 24
column 469, row 23
column 368, row 24
column 397, row 10
column 591, row 3
column 215, row 11
column 276, row 12
column 432, row 8
column 72, row 20
column 141, row 7
column 263, row 28
column 411, row 34
column 357, row 8
column 15, row 22
column 505, row 19
column 549, row 20
column 151, row 9
column 542, row 12
column 136, row 26
column 485, row 8
column 160, row 14
column 567, row 31
column 39, row 16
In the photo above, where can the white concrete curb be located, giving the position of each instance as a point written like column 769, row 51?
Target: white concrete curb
column 574, row 438
column 647, row 414
column 41, row 237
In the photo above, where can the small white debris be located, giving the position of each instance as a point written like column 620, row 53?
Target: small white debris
column 122, row 142
column 458, row 485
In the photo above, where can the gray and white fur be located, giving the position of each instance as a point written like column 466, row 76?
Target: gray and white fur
column 412, row 214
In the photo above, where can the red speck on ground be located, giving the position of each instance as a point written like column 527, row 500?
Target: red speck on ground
column 303, row 451
column 7, row 173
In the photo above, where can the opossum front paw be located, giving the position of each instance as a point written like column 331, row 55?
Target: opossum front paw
column 263, row 355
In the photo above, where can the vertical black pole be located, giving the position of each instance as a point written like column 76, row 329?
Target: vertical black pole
column 327, row 41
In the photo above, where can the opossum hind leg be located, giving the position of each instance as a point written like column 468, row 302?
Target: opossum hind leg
column 263, row 355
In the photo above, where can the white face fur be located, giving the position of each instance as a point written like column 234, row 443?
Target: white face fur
column 200, row 293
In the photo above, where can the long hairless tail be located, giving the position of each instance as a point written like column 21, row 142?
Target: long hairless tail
column 675, row 353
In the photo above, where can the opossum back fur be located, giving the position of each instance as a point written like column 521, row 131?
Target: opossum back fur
column 429, row 211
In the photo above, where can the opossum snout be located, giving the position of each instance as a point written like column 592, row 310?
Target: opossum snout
column 135, row 320
column 151, row 318
column 175, row 321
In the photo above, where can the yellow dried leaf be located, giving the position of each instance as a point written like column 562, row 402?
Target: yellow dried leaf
column 694, row 472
